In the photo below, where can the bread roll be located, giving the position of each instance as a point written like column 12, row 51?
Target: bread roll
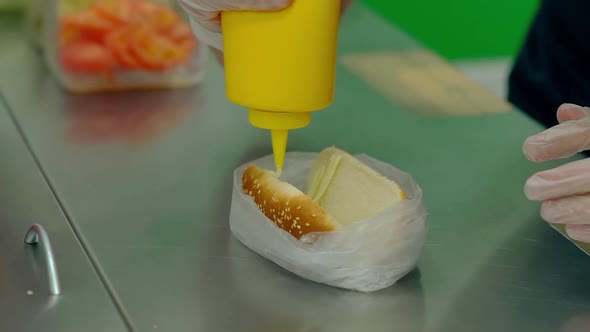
column 340, row 190
column 284, row 204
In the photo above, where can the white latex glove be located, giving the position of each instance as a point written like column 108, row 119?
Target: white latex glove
column 205, row 19
column 565, row 190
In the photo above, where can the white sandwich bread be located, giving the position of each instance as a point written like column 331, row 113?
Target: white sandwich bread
column 341, row 190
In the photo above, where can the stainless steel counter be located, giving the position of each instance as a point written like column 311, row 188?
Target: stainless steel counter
column 25, row 300
column 146, row 178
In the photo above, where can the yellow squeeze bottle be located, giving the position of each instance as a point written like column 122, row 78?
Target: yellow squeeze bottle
column 281, row 65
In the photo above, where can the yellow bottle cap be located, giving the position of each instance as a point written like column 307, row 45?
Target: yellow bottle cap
column 279, row 120
column 279, row 123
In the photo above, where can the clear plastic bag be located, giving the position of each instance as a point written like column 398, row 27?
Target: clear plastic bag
column 107, row 45
column 366, row 256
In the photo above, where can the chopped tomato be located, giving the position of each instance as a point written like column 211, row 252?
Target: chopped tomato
column 131, row 34
column 86, row 57
column 157, row 52
column 68, row 34
column 157, row 16
column 188, row 45
column 118, row 12
column 119, row 43
column 183, row 36
column 88, row 24
column 181, row 32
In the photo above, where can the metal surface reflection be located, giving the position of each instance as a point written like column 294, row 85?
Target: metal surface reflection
column 134, row 118
column 578, row 323
column 527, row 275
column 275, row 293
column 25, row 304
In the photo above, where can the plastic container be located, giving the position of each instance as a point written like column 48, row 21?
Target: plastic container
column 106, row 45
column 365, row 256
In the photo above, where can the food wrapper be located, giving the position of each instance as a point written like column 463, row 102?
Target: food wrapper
column 366, row 256
column 108, row 45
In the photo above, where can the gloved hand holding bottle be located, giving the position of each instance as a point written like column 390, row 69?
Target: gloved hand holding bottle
column 205, row 18
column 565, row 190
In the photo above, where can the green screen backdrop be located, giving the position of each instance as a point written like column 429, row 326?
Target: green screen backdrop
column 462, row 28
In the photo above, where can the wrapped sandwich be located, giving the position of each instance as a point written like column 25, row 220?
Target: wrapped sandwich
column 350, row 222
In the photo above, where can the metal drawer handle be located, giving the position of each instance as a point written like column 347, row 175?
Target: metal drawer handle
column 33, row 234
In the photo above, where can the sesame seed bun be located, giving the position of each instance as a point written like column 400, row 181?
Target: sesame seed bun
column 288, row 207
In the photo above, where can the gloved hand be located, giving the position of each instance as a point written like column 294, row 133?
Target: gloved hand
column 205, row 19
column 565, row 190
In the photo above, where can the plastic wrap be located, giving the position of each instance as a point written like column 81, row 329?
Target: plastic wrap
column 106, row 45
column 366, row 256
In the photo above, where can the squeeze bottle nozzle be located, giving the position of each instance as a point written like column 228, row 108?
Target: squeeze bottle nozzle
column 279, row 124
column 279, row 147
column 281, row 65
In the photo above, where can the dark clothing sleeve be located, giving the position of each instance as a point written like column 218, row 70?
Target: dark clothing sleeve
column 553, row 66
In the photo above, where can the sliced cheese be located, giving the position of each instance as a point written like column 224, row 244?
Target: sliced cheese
column 348, row 189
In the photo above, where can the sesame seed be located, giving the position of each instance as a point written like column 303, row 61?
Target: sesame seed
column 287, row 203
column 250, row 192
column 298, row 227
column 296, row 218
column 307, row 224
column 300, row 232
column 258, row 191
column 299, row 208
column 313, row 215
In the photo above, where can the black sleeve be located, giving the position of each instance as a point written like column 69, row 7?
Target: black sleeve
column 553, row 66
